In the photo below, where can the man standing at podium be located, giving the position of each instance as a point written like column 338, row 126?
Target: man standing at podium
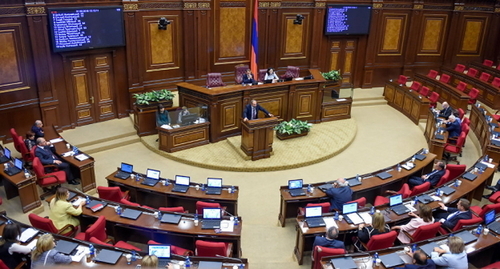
column 251, row 111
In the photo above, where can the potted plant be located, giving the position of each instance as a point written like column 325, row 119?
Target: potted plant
column 154, row 98
column 333, row 82
column 332, row 75
column 292, row 128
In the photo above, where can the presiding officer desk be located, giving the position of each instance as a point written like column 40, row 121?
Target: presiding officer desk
column 227, row 262
column 371, row 187
column 162, row 195
column 468, row 189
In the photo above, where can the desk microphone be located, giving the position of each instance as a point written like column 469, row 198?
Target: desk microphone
column 225, row 211
column 230, row 258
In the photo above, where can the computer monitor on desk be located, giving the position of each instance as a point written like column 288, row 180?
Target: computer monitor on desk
column 189, row 118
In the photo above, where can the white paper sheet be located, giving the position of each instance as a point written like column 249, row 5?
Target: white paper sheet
column 367, row 218
column 80, row 253
column 81, row 157
column 56, row 140
column 27, row 234
column 355, row 218
column 227, row 226
column 329, row 221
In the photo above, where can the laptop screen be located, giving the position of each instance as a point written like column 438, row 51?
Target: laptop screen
column 6, row 152
column 154, row 174
column 128, row 168
column 211, row 213
column 160, row 251
column 313, row 211
column 182, row 180
column 214, row 182
column 396, row 200
column 350, row 208
column 294, row 184
column 489, row 217
column 18, row 163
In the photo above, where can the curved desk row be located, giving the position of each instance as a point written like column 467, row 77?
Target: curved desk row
column 410, row 103
column 447, row 92
column 163, row 196
column 436, row 144
column 494, row 72
column 483, row 130
column 468, row 189
column 371, row 187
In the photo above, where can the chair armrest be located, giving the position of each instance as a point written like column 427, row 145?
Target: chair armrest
column 125, row 195
column 409, row 236
column 50, row 165
column 364, row 245
column 58, row 180
column 21, row 265
column 229, row 250
column 73, row 230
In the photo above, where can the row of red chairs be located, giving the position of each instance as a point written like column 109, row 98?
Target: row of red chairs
column 472, row 72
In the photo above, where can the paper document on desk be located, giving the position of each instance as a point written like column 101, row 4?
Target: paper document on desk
column 81, row 157
column 367, row 218
column 227, row 226
column 78, row 201
column 341, row 99
column 329, row 221
column 80, row 253
column 436, row 198
column 166, row 126
column 355, row 218
column 490, row 165
column 56, row 140
column 28, row 234
column 67, row 154
column 410, row 206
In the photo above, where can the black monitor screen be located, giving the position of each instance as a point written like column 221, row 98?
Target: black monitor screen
column 83, row 28
column 348, row 19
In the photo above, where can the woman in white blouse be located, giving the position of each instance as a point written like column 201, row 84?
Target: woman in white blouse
column 270, row 74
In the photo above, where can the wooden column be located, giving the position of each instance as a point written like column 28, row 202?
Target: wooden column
column 257, row 137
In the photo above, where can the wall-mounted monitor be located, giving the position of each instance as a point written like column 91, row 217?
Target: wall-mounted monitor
column 348, row 19
column 81, row 28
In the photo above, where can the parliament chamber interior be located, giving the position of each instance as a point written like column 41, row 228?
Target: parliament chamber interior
column 398, row 163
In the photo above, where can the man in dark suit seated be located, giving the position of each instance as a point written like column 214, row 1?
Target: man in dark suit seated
column 37, row 129
column 453, row 126
column 339, row 194
column 248, row 77
column 449, row 216
column 420, row 261
column 433, row 177
column 446, row 111
column 45, row 152
column 330, row 240
column 251, row 111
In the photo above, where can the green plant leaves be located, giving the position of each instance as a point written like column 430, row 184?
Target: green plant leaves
column 153, row 96
column 293, row 127
column 332, row 75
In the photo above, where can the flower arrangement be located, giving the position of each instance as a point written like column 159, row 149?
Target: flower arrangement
column 293, row 127
column 153, row 96
column 332, row 75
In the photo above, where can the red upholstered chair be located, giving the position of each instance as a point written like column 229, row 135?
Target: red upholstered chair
column 239, row 71
column 127, row 202
column 214, row 80
column 473, row 96
column 484, row 77
column 99, row 242
column 47, row 225
column 14, row 136
column 19, row 266
column 488, row 62
column 27, row 156
column 113, row 194
column 404, row 191
column 444, row 78
column 424, row 232
column 175, row 249
column 420, row 189
column 262, row 74
column 460, row 68
column 455, row 150
column 445, row 178
column 472, row 72
column 291, row 72
column 212, row 249
column 461, row 86
column 480, row 212
column 495, row 197
column 466, row 121
column 320, row 252
column 49, row 182
column 424, row 91
column 381, row 241
column 434, row 97
column 492, row 266
column 325, row 207
column 461, row 224
column 415, row 85
column 96, row 233
column 432, row 73
column 496, row 82
column 402, row 79
column 175, row 209
column 200, row 205
column 461, row 114
column 455, row 170
column 361, row 202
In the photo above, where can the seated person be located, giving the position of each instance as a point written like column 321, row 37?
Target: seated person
column 449, row 216
column 248, row 77
column 446, row 111
column 330, row 241
column 37, row 129
column 378, row 226
column 149, row 261
column 46, row 153
column 44, row 255
column 455, row 258
column 162, row 116
column 63, row 212
column 30, row 141
column 425, row 218
column 453, row 126
column 271, row 75
column 339, row 194
column 11, row 252
column 183, row 112
column 433, row 177
column 419, row 261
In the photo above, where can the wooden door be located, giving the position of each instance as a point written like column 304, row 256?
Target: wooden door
column 342, row 56
column 91, row 81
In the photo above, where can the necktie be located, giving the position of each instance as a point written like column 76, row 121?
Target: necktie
column 452, row 215
column 254, row 113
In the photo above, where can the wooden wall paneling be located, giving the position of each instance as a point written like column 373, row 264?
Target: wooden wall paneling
column 204, row 43
column 319, row 41
column 269, row 34
column 492, row 50
column 394, row 30
column 104, row 94
column 295, row 39
column 373, row 39
column 133, row 40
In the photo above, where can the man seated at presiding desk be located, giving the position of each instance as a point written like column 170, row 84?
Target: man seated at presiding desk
column 248, row 77
column 45, row 151
column 446, row 111
column 339, row 194
column 433, row 177
column 251, row 111
column 449, row 216
column 420, row 261
column 330, row 241
column 453, row 126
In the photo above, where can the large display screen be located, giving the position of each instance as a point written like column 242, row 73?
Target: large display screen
column 348, row 19
column 83, row 28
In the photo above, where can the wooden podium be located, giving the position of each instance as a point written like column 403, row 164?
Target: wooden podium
column 257, row 137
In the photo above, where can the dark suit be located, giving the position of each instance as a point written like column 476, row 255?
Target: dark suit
column 453, row 220
column 339, row 196
column 247, row 113
column 430, row 265
column 454, row 128
column 37, row 131
column 433, row 178
column 47, row 156
column 247, row 79
column 445, row 113
column 329, row 243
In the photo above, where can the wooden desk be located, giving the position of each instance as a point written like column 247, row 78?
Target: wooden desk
column 370, row 188
column 436, row 146
column 488, row 94
column 185, row 137
column 447, row 92
column 162, row 196
column 84, row 170
column 408, row 102
column 336, row 109
column 25, row 188
column 299, row 99
column 257, row 137
column 480, row 126
column 468, row 189
column 488, row 69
